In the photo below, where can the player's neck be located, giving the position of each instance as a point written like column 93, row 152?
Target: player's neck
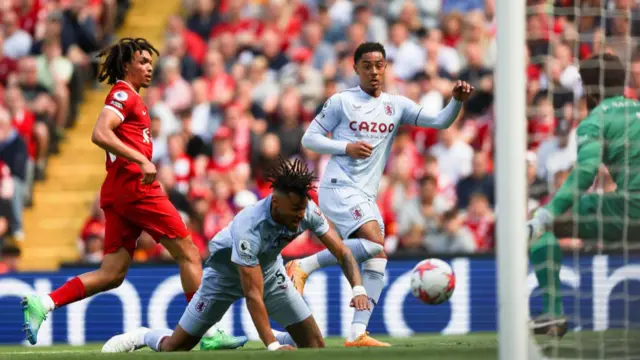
column 372, row 92
column 131, row 84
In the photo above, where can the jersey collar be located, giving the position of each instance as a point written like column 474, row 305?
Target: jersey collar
column 129, row 85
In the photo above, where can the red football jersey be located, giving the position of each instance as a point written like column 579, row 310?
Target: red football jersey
column 123, row 176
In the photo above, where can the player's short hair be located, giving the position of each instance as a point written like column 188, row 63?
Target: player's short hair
column 368, row 47
column 603, row 75
column 291, row 177
column 118, row 54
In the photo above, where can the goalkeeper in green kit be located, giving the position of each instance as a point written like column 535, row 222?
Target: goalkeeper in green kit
column 609, row 135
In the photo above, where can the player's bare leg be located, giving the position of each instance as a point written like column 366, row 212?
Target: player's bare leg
column 305, row 334
column 186, row 254
column 110, row 275
column 179, row 340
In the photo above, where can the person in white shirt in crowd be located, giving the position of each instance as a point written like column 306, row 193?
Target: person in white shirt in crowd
column 453, row 154
column 407, row 56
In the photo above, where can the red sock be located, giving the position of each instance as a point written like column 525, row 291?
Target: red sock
column 189, row 296
column 71, row 291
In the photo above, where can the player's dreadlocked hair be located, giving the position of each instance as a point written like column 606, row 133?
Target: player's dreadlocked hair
column 118, row 54
column 292, row 177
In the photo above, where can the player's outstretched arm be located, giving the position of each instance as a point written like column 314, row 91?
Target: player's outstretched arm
column 349, row 267
column 253, row 287
column 581, row 178
column 413, row 114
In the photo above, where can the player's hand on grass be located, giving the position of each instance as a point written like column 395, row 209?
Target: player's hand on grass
column 462, row 90
column 148, row 172
column 360, row 302
column 359, row 150
column 286, row 348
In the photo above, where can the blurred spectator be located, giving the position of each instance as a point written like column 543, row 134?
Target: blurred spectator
column 13, row 153
column 17, row 42
column 407, row 56
column 54, row 74
column 176, row 92
column 323, row 54
column 475, row 73
column 453, row 238
column 34, row 133
column 174, row 47
column 420, row 218
column 307, row 80
column 538, row 188
column 440, row 58
column 8, row 66
column 265, row 87
column 375, row 26
column 9, row 259
column 479, row 182
column 204, row 18
column 289, row 128
column 557, row 153
column 194, row 45
column 479, row 219
column 454, row 155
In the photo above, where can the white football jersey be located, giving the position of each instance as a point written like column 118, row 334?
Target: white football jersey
column 353, row 115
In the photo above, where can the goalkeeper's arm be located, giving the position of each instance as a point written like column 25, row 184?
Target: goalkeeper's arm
column 581, row 178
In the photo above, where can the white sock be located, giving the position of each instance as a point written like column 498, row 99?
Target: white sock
column 47, row 302
column 284, row 338
column 309, row 264
column 357, row 329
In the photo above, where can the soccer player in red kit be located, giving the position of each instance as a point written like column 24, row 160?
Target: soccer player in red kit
column 131, row 198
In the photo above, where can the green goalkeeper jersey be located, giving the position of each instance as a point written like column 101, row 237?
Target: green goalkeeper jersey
column 610, row 135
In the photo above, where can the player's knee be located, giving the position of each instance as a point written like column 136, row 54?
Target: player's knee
column 373, row 248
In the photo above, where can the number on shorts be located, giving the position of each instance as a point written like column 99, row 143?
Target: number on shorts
column 280, row 279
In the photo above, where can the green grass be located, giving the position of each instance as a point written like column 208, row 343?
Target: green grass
column 477, row 346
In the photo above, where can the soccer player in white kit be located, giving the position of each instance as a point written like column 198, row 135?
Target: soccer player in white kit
column 363, row 122
column 245, row 262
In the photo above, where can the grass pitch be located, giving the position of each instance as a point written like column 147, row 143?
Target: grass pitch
column 477, row 346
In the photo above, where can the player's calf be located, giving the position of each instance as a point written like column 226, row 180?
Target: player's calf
column 306, row 334
column 186, row 254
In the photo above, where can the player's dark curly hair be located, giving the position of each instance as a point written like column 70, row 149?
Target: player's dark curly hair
column 292, row 177
column 118, row 54
column 368, row 47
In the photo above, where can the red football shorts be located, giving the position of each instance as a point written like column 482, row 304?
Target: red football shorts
column 126, row 221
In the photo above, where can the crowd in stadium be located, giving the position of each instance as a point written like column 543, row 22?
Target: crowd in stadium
column 237, row 82
column 46, row 58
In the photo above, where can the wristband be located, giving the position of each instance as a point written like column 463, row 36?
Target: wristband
column 274, row 346
column 359, row 290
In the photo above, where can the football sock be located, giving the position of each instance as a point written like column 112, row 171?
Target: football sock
column 362, row 250
column 284, row 338
column 153, row 338
column 546, row 258
column 72, row 291
column 47, row 302
column 373, row 282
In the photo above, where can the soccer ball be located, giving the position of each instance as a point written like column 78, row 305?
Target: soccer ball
column 433, row 281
